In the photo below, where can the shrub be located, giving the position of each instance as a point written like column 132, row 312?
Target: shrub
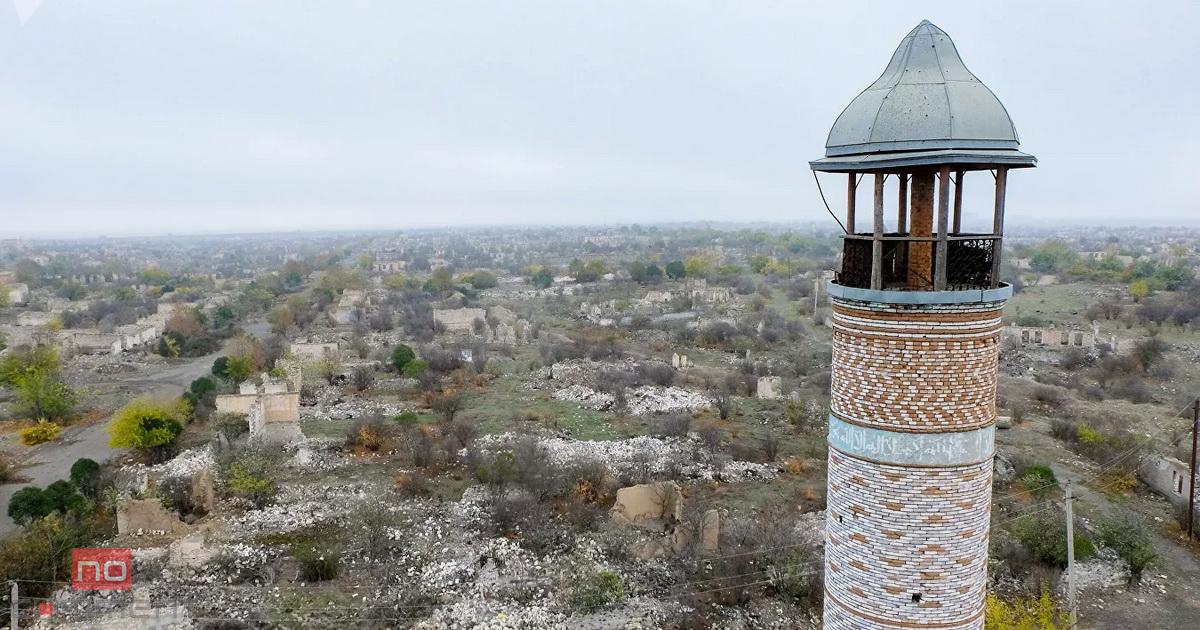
column 1064, row 430
column 448, row 405
column 251, row 476
column 1128, row 539
column 671, row 425
column 407, row 418
column 316, row 564
column 723, row 401
column 41, row 553
column 656, row 373
column 711, row 435
column 464, row 432
column 85, row 474
column 233, row 425
column 148, row 427
column 176, row 494
column 415, row 368
column 202, row 386
column 1047, row 396
column 362, row 378
column 1045, row 536
column 1086, row 435
column 1039, row 481
column 7, row 470
column 412, row 484
column 40, row 433
column 597, row 591
column 34, row 377
column 372, row 436
column 769, row 444
column 1024, row 613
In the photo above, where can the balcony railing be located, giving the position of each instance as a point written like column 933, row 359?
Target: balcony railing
column 970, row 262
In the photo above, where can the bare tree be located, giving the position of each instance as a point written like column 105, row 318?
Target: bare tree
column 723, row 401
column 362, row 378
column 448, row 405
column 770, row 445
column 711, row 435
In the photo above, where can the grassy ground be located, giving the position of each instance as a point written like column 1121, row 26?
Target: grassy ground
column 506, row 405
column 1062, row 304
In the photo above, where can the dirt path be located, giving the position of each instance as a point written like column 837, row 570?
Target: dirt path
column 50, row 462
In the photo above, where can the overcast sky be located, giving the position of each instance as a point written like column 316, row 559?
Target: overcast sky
column 151, row 116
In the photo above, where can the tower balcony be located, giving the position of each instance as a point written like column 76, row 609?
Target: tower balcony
column 914, row 263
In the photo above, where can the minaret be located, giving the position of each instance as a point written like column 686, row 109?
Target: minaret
column 916, row 327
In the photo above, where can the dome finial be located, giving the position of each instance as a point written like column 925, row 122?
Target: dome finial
column 925, row 100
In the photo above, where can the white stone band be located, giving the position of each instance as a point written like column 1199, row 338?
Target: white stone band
column 912, row 449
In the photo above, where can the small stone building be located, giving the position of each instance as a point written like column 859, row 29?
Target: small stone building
column 272, row 410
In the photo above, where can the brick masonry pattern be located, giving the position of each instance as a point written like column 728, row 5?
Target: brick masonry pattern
column 922, row 375
column 906, row 546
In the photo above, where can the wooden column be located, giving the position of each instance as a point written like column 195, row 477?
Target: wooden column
column 850, row 186
column 939, row 261
column 902, row 205
column 877, row 235
column 998, row 224
column 958, row 187
column 920, row 254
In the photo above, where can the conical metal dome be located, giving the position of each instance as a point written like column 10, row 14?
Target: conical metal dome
column 927, row 107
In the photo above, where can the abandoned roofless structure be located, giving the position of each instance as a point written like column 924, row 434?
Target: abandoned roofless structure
column 916, row 317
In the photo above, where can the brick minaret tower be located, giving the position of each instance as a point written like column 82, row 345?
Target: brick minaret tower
column 916, row 325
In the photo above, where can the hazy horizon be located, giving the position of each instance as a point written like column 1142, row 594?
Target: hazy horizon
column 136, row 118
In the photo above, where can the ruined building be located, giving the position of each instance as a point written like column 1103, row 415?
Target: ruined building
column 916, row 329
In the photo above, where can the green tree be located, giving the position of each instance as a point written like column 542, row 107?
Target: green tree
column 415, row 368
column 1139, row 290
column 85, row 474
column 542, row 278
column 402, row 355
column 699, row 266
column 238, row 369
column 146, row 426
column 483, row 280
column 223, row 317
column 675, row 270
column 1051, row 257
column 34, row 376
column 220, row 367
column 440, row 280
column 28, row 505
column 153, row 276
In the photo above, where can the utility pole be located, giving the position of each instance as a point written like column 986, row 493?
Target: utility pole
column 1191, row 515
column 1071, row 603
column 13, row 610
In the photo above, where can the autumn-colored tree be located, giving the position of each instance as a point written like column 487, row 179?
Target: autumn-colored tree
column 149, row 427
column 186, row 322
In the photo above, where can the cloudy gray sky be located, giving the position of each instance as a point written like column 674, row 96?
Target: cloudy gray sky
column 145, row 116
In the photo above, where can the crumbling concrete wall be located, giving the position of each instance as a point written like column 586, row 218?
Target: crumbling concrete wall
column 649, row 505
column 1052, row 338
column 458, row 320
column 281, row 407
column 1166, row 476
column 769, row 387
column 313, row 351
column 236, row 403
column 144, row 516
